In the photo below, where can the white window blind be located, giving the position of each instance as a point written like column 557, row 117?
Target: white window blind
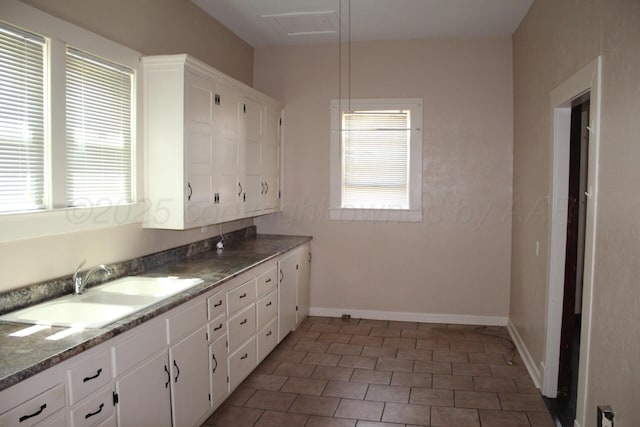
column 99, row 129
column 375, row 159
column 22, row 130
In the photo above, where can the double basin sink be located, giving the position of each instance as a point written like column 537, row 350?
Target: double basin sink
column 104, row 304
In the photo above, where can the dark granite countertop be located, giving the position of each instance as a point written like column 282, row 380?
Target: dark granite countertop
column 23, row 357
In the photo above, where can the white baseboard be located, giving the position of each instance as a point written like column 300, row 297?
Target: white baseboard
column 534, row 372
column 458, row 319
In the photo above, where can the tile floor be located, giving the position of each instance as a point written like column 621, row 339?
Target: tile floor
column 365, row 373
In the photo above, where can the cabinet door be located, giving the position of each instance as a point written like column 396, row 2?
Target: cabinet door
column 287, row 293
column 227, row 183
column 144, row 397
column 219, row 370
column 199, row 146
column 253, row 135
column 189, row 386
column 304, row 278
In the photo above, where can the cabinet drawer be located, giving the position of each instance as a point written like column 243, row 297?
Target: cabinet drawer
column 241, row 363
column 217, row 328
column 94, row 410
column 267, row 308
column 241, row 327
column 241, row 297
column 216, row 305
column 267, row 339
column 88, row 376
column 267, row 281
column 186, row 321
column 139, row 347
column 36, row 409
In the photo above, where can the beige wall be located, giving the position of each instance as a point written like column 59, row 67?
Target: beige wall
column 150, row 27
column 457, row 261
column 555, row 40
column 159, row 27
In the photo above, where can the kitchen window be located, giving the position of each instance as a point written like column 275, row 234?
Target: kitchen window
column 68, row 111
column 376, row 160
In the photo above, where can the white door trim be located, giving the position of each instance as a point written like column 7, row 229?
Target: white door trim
column 586, row 80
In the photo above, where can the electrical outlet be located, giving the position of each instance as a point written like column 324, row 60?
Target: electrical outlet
column 346, row 316
column 605, row 416
column 204, row 229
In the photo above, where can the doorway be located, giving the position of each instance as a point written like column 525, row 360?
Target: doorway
column 563, row 407
column 582, row 86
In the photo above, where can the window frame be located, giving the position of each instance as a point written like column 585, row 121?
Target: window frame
column 415, row 212
column 57, row 218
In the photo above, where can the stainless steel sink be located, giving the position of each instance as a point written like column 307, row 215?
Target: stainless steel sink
column 104, row 304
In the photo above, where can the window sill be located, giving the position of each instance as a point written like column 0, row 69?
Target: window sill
column 29, row 225
column 376, row 215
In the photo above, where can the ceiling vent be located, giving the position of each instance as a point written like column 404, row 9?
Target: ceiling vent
column 304, row 23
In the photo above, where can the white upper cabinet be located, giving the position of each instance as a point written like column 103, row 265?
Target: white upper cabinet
column 212, row 146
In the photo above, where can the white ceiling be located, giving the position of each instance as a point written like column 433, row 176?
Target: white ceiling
column 294, row 22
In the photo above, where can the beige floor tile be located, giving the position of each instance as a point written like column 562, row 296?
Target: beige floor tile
column 450, row 356
column 471, row 369
column 540, row 419
column 406, row 414
column 431, row 344
column 385, row 332
column 403, row 324
column 351, row 349
column 412, row 379
column 345, row 390
column 264, row 382
column 388, row 393
column 271, row 400
column 279, row 355
column 311, row 346
column 378, row 351
column 324, row 327
column 280, row 419
column 522, row 402
column 289, row 369
column 358, row 362
column 304, row 386
column 332, row 373
column 315, row 405
column 344, row 322
column 509, row 371
column 399, row 342
column 466, row 346
column 430, row 367
column 355, row 330
column 321, row 359
column 493, row 418
column 374, row 323
column 329, row 422
column 395, row 365
column 476, row 400
column 492, row 359
column 233, row 416
column 376, row 424
column 494, row 384
column 360, row 410
column 240, row 396
column 417, row 333
column 431, row 397
column 334, row 338
column 366, row 340
column 453, row 382
column 413, row 354
column 454, row 417
column 370, row 376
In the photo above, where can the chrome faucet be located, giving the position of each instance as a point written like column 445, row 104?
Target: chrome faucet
column 80, row 283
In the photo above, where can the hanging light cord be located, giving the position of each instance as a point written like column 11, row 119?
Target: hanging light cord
column 511, row 346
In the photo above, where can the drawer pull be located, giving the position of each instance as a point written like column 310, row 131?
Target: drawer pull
column 35, row 414
column 217, row 328
column 244, row 356
column 243, row 295
column 243, row 322
column 269, row 333
column 92, row 377
column 91, row 414
column 166, row 385
column 215, row 360
column 268, row 280
column 178, row 373
column 218, row 304
column 269, row 304
column 281, row 276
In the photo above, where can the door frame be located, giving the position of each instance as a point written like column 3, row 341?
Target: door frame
column 587, row 80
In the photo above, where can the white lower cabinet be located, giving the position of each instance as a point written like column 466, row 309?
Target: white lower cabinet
column 218, row 371
column 144, row 396
column 174, row 370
